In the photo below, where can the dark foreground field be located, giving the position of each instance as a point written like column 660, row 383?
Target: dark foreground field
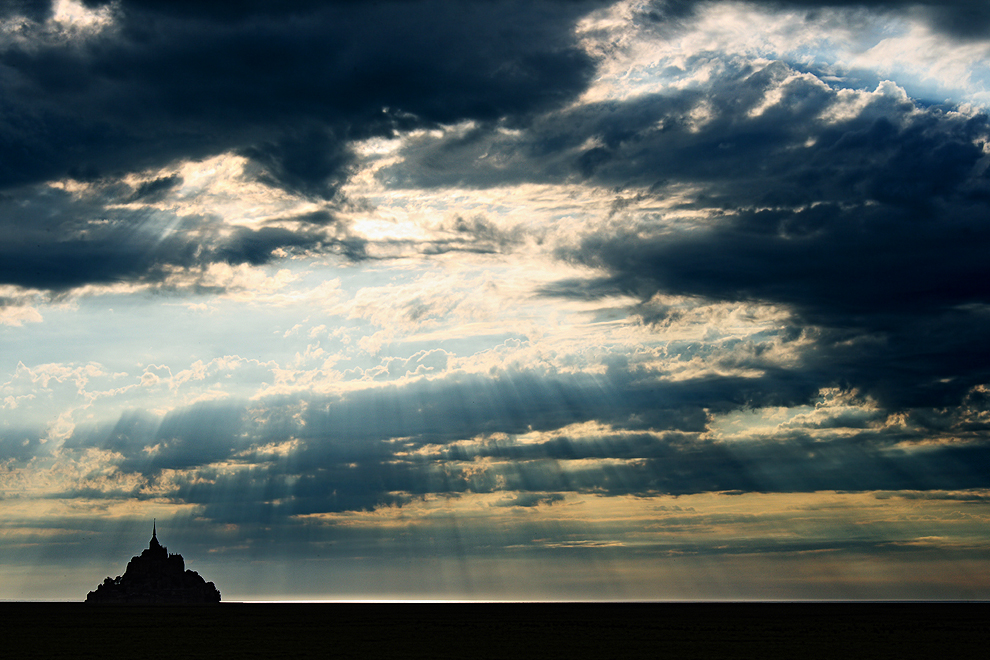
column 475, row 630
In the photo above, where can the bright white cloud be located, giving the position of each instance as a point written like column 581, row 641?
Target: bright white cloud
column 687, row 52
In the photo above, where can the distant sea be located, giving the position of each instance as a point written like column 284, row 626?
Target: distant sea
column 476, row 631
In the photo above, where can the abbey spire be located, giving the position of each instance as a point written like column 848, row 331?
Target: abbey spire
column 154, row 535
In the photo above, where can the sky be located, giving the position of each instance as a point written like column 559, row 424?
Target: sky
column 665, row 300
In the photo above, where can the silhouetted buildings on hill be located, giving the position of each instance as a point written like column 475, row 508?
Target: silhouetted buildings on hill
column 155, row 576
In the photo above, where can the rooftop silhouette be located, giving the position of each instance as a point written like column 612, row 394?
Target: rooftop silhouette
column 155, row 576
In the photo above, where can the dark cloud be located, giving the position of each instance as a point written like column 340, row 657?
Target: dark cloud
column 255, row 246
column 56, row 241
column 187, row 80
column 35, row 10
column 861, row 267
column 530, row 499
column 313, row 163
column 269, row 460
column 962, row 19
column 157, row 189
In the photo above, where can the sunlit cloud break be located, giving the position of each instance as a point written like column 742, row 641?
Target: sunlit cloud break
column 497, row 300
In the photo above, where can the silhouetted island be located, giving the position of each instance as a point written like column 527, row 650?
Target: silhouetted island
column 155, row 577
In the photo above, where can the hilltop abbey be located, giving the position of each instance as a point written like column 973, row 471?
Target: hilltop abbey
column 155, row 576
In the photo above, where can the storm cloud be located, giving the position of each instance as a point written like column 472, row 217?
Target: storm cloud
column 166, row 81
